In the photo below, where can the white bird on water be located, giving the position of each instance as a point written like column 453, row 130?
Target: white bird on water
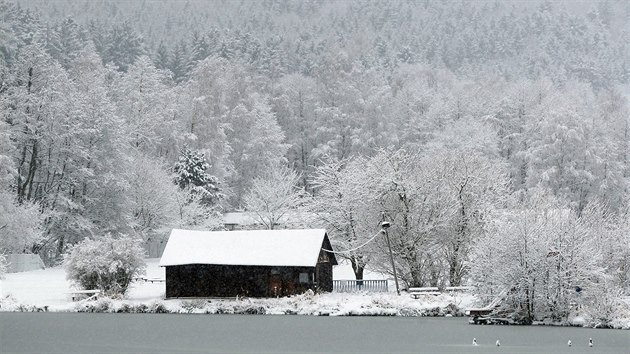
column 498, row 343
column 569, row 344
column 474, row 341
column 590, row 342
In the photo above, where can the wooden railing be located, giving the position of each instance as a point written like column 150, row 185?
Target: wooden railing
column 349, row 286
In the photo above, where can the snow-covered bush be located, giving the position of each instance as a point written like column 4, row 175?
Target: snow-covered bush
column 8, row 303
column 190, row 306
column 108, row 263
column 158, row 307
column 100, row 306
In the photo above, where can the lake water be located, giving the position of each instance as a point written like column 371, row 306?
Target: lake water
column 171, row 333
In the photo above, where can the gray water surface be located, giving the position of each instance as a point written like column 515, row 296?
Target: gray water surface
column 173, row 333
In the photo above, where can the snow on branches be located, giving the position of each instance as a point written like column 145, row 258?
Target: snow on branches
column 190, row 172
column 108, row 263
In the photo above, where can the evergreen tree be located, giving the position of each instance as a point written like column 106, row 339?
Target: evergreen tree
column 180, row 62
column 100, row 38
column 199, row 49
column 162, row 59
column 190, row 173
column 125, row 46
column 273, row 59
column 63, row 41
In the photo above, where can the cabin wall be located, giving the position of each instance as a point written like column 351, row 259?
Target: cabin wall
column 324, row 268
column 324, row 272
column 202, row 280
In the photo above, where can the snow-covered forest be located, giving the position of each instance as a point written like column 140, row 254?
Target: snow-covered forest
column 494, row 136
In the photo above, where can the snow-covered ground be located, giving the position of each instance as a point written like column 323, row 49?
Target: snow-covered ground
column 49, row 288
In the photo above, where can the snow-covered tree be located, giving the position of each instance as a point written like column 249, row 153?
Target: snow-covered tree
column 232, row 123
column 509, row 258
column 103, row 141
column 419, row 206
column 107, row 263
column 20, row 224
column 152, row 197
column 194, row 215
column 190, row 174
column 124, row 46
column 274, row 196
column 257, row 143
column 294, row 103
column 63, row 41
column 205, row 100
column 199, row 49
column 146, row 103
column 347, row 207
column 543, row 256
column 7, row 168
column 180, row 62
column 50, row 158
column 477, row 188
column 161, row 58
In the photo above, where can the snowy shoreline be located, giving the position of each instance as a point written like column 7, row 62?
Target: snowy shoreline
column 48, row 290
column 329, row 304
column 309, row 304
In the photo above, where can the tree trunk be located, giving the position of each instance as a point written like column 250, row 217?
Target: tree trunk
column 358, row 267
column 31, row 170
column 32, row 165
column 60, row 246
column 358, row 271
column 434, row 273
column 454, row 277
column 455, row 261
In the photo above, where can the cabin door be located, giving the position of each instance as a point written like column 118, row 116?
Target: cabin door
column 275, row 285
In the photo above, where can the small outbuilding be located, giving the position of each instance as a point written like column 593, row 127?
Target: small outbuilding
column 259, row 263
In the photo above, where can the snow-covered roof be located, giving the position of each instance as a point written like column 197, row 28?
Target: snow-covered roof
column 299, row 248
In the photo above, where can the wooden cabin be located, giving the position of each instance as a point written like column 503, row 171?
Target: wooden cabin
column 258, row 263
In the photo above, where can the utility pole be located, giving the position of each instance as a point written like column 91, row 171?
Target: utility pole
column 385, row 225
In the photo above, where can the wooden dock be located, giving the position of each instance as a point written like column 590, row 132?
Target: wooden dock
column 481, row 312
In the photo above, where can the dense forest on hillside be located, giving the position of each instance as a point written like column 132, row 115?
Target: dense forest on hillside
column 493, row 135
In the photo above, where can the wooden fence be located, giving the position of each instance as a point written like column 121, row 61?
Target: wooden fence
column 350, row 286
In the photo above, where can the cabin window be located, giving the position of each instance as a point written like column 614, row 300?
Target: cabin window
column 303, row 277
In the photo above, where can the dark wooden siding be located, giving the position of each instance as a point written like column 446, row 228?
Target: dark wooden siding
column 204, row 280
column 324, row 276
column 324, row 268
column 327, row 246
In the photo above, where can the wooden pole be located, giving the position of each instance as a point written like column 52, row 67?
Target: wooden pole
column 391, row 256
